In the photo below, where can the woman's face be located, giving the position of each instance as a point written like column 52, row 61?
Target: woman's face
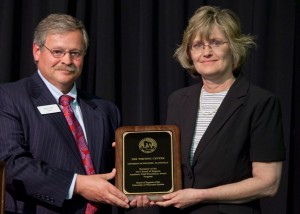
column 212, row 58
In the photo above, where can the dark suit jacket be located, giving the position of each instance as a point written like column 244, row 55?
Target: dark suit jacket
column 247, row 127
column 40, row 151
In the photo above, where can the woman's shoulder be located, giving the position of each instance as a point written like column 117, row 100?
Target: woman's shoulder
column 252, row 89
column 187, row 91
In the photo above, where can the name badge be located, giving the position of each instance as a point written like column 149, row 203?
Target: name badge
column 49, row 109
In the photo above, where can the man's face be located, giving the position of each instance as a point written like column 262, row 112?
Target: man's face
column 61, row 71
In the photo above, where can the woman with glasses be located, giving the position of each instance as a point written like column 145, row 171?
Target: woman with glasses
column 231, row 131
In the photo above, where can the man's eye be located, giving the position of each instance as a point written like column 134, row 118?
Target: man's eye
column 75, row 53
column 57, row 52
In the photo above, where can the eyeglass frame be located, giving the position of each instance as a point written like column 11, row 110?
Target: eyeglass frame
column 64, row 52
column 214, row 44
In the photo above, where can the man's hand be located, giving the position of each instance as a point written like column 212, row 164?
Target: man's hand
column 96, row 188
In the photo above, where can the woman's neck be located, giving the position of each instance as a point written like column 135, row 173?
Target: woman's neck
column 218, row 86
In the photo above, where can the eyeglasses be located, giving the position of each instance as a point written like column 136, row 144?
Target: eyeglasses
column 199, row 46
column 59, row 53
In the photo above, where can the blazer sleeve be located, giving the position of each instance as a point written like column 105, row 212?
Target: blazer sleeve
column 267, row 139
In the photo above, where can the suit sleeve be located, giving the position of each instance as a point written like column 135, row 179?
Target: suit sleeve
column 27, row 176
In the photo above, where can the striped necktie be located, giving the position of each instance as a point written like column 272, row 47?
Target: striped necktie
column 78, row 134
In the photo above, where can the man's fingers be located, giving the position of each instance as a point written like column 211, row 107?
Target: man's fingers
column 109, row 176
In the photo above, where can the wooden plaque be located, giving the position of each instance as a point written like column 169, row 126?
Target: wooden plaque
column 148, row 160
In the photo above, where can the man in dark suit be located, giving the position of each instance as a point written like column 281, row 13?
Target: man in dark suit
column 45, row 170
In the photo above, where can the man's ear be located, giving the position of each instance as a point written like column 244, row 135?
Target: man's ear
column 36, row 50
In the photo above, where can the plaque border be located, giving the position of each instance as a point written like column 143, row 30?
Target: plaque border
column 171, row 159
column 176, row 155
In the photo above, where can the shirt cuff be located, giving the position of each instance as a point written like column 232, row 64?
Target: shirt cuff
column 72, row 186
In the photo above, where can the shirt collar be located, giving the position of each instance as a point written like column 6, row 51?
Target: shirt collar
column 56, row 92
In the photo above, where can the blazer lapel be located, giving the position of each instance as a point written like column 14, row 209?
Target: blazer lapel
column 230, row 104
column 190, row 109
column 41, row 97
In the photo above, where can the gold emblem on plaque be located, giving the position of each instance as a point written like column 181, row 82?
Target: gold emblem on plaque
column 147, row 145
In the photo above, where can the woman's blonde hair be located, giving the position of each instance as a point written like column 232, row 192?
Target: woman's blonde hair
column 202, row 23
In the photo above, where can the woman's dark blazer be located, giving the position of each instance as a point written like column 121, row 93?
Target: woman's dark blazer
column 247, row 127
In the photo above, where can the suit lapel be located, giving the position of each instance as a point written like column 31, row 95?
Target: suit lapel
column 41, row 97
column 230, row 104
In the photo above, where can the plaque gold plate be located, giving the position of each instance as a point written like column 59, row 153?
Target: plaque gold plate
column 148, row 160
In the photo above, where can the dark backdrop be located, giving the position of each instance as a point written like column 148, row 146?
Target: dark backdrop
column 130, row 59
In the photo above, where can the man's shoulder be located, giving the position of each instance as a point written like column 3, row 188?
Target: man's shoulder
column 19, row 87
column 95, row 101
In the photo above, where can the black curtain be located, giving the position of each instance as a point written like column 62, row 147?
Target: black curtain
column 130, row 59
